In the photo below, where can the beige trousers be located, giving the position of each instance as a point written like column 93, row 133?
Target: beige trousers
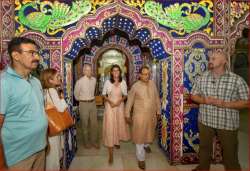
column 35, row 162
column 88, row 117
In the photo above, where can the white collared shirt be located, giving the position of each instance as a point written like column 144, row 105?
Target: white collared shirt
column 107, row 88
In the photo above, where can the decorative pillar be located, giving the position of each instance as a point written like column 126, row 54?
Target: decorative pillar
column 177, row 113
column 222, row 22
column 189, row 60
column 7, row 28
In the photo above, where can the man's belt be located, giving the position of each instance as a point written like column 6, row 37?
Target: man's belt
column 87, row 101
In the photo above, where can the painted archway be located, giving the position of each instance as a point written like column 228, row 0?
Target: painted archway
column 158, row 41
column 136, row 26
column 113, row 16
column 128, row 26
column 171, row 69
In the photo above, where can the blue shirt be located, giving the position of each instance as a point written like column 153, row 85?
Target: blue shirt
column 25, row 122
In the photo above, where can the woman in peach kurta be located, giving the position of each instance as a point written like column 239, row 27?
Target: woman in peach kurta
column 115, row 127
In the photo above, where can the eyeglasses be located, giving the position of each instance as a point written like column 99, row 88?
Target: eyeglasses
column 32, row 52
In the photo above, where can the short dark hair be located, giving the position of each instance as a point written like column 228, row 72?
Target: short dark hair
column 15, row 43
column 144, row 67
column 112, row 77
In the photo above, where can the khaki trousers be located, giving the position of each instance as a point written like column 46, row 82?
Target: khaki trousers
column 35, row 162
column 88, row 117
column 229, row 143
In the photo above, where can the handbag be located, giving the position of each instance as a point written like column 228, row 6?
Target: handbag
column 58, row 121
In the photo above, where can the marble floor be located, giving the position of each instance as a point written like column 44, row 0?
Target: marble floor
column 124, row 158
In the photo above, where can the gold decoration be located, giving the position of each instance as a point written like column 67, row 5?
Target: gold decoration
column 135, row 3
column 238, row 9
column 164, row 84
column 99, row 3
column 164, row 134
column 53, row 32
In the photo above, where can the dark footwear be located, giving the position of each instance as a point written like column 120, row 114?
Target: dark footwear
column 97, row 146
column 147, row 149
column 142, row 165
column 111, row 159
column 117, row 146
column 110, row 155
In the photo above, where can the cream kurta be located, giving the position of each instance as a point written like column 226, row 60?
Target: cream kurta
column 115, row 127
column 144, row 99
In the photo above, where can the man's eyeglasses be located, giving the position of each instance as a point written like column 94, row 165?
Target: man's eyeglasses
column 32, row 52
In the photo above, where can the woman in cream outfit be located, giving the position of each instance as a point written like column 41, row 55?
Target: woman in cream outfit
column 115, row 127
column 51, row 79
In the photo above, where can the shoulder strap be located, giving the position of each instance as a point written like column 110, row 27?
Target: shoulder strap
column 51, row 98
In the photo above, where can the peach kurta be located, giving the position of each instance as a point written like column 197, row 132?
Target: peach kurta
column 115, row 127
column 144, row 99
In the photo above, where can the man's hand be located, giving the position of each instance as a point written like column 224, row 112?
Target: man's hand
column 128, row 120
column 209, row 100
column 219, row 103
column 214, row 101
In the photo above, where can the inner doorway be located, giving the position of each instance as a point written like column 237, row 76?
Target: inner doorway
column 115, row 47
column 105, row 62
column 240, row 60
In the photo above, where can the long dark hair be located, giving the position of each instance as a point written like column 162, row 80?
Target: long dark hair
column 112, row 77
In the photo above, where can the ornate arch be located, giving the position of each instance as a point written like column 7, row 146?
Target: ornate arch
column 135, row 60
column 118, row 11
column 129, row 58
column 132, row 52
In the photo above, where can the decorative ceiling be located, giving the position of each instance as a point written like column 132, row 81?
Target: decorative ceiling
column 125, row 25
column 53, row 18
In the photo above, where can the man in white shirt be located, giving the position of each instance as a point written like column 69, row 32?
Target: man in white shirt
column 85, row 93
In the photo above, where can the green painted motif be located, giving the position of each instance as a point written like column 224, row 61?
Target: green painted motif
column 52, row 17
column 180, row 17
